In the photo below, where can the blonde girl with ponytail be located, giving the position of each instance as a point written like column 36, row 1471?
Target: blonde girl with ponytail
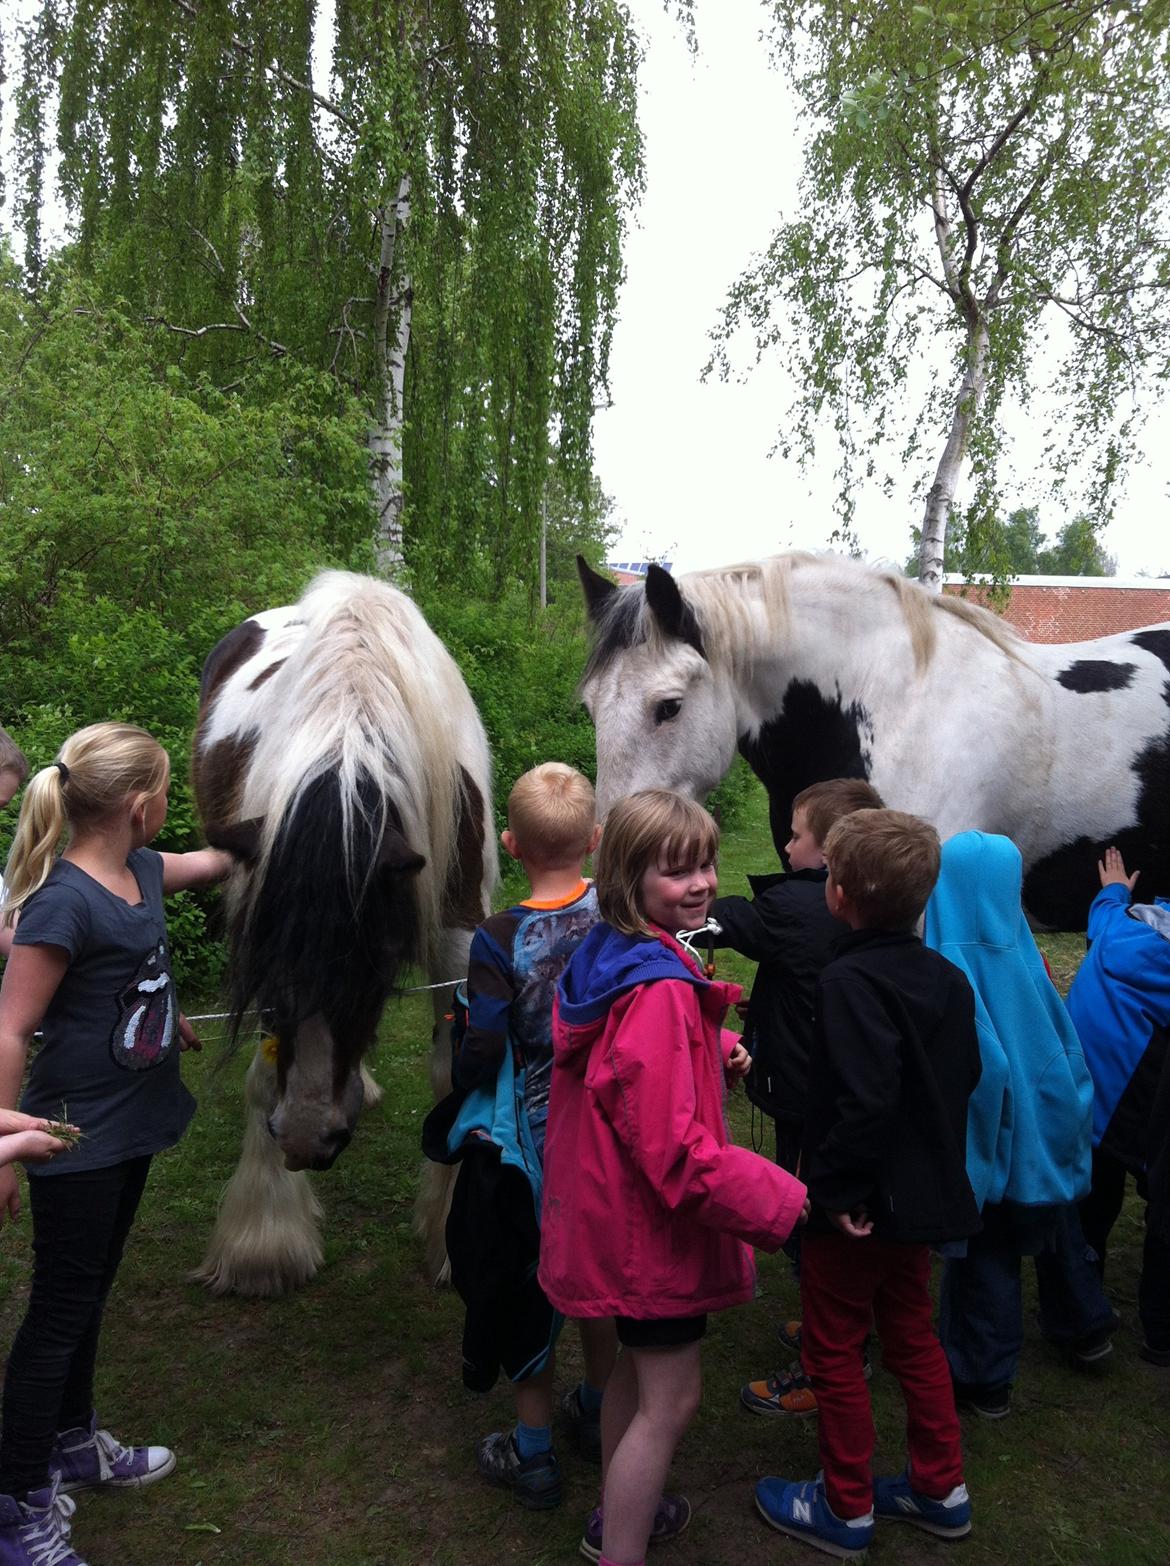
column 90, row 969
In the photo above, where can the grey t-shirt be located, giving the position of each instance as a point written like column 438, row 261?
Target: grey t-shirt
column 110, row 1047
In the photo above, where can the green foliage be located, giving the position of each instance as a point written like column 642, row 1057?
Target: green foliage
column 982, row 199
column 243, row 209
column 144, row 514
column 1016, row 547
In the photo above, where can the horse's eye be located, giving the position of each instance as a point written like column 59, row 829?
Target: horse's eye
column 668, row 709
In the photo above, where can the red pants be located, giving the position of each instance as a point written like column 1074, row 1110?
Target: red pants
column 845, row 1285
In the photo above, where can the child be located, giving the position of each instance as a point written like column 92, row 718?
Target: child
column 894, row 1063
column 786, row 928
column 649, row 1209
column 493, row 1234
column 1120, row 1003
column 90, row 968
column 1027, row 1136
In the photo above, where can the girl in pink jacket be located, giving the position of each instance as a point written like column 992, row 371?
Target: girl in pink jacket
column 650, row 1211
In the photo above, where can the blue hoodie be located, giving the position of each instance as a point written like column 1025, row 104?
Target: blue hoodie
column 1029, row 1121
column 1121, row 993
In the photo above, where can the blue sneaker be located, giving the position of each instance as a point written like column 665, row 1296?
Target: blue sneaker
column 801, row 1510
column 946, row 1519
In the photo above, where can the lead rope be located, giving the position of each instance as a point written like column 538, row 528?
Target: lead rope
column 686, row 939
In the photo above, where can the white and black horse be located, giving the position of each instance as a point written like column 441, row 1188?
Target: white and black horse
column 339, row 755
column 817, row 667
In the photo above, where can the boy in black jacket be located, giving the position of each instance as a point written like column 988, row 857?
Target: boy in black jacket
column 895, row 1060
column 786, row 928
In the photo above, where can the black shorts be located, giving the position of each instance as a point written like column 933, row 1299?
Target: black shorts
column 665, row 1332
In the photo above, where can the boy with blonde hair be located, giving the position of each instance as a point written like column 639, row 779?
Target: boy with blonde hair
column 895, row 1060
column 494, row 1123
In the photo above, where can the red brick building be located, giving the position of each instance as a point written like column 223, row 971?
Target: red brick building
column 1079, row 608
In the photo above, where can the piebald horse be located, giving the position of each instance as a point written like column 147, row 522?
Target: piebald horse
column 340, row 757
column 817, row 666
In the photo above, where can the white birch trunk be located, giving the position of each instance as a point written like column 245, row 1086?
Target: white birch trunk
column 390, row 348
column 946, row 478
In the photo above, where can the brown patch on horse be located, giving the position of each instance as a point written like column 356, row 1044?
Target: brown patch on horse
column 227, row 656
column 462, row 897
column 266, row 674
column 218, row 774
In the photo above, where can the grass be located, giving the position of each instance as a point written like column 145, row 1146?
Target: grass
column 332, row 1429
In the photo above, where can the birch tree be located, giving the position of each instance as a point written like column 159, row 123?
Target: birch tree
column 983, row 199
column 434, row 218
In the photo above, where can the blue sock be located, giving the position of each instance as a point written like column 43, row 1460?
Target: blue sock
column 532, row 1440
column 589, row 1398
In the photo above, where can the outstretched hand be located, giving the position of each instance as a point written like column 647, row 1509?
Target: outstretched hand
column 1111, row 869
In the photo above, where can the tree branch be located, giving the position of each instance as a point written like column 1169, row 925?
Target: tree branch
column 248, row 52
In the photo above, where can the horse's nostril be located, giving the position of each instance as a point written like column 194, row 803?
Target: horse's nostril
column 271, row 1128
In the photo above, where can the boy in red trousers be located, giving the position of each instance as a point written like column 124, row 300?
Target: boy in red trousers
column 894, row 1062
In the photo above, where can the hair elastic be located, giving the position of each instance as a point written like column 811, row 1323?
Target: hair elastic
column 63, row 770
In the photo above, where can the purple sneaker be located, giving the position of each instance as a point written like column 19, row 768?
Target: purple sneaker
column 35, row 1532
column 672, row 1516
column 89, row 1457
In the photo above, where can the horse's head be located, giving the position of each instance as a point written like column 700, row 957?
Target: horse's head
column 320, row 935
column 664, row 714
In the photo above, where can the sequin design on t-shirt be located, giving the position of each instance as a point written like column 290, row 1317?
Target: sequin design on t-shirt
column 145, row 1029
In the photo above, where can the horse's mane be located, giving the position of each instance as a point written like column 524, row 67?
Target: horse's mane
column 372, row 698
column 734, row 604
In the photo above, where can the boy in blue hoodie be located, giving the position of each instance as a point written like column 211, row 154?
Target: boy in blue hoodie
column 1027, row 1134
column 1120, row 1003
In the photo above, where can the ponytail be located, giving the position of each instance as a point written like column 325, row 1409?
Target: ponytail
column 38, row 837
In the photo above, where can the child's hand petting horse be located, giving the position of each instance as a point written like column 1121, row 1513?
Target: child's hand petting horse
column 1111, row 869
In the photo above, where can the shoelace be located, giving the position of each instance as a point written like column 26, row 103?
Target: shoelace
column 110, row 1451
column 47, row 1540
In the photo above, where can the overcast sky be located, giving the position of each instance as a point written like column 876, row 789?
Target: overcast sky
column 687, row 463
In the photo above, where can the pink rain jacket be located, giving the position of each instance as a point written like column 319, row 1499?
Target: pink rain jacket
column 649, row 1209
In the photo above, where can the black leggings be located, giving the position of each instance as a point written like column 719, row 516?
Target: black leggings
column 1099, row 1212
column 80, row 1223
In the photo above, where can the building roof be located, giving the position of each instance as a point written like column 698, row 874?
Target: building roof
column 1077, row 608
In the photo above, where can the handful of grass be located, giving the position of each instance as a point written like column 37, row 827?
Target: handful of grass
column 63, row 1131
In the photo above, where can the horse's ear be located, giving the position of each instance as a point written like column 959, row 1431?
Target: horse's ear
column 670, row 609
column 240, row 839
column 598, row 589
column 396, row 854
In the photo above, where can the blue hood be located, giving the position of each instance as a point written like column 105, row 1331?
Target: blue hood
column 607, row 964
column 1028, row 1124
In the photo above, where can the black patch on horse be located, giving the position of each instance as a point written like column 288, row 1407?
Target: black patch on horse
column 1156, row 642
column 1059, row 888
column 1097, row 674
column 811, row 738
column 323, row 937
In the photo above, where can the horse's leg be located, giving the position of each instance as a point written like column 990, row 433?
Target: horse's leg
column 437, row 1181
column 266, row 1239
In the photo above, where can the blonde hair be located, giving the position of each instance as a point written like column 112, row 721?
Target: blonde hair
column 552, row 813
column 12, row 758
column 886, row 862
column 655, row 827
column 98, row 770
column 825, row 803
